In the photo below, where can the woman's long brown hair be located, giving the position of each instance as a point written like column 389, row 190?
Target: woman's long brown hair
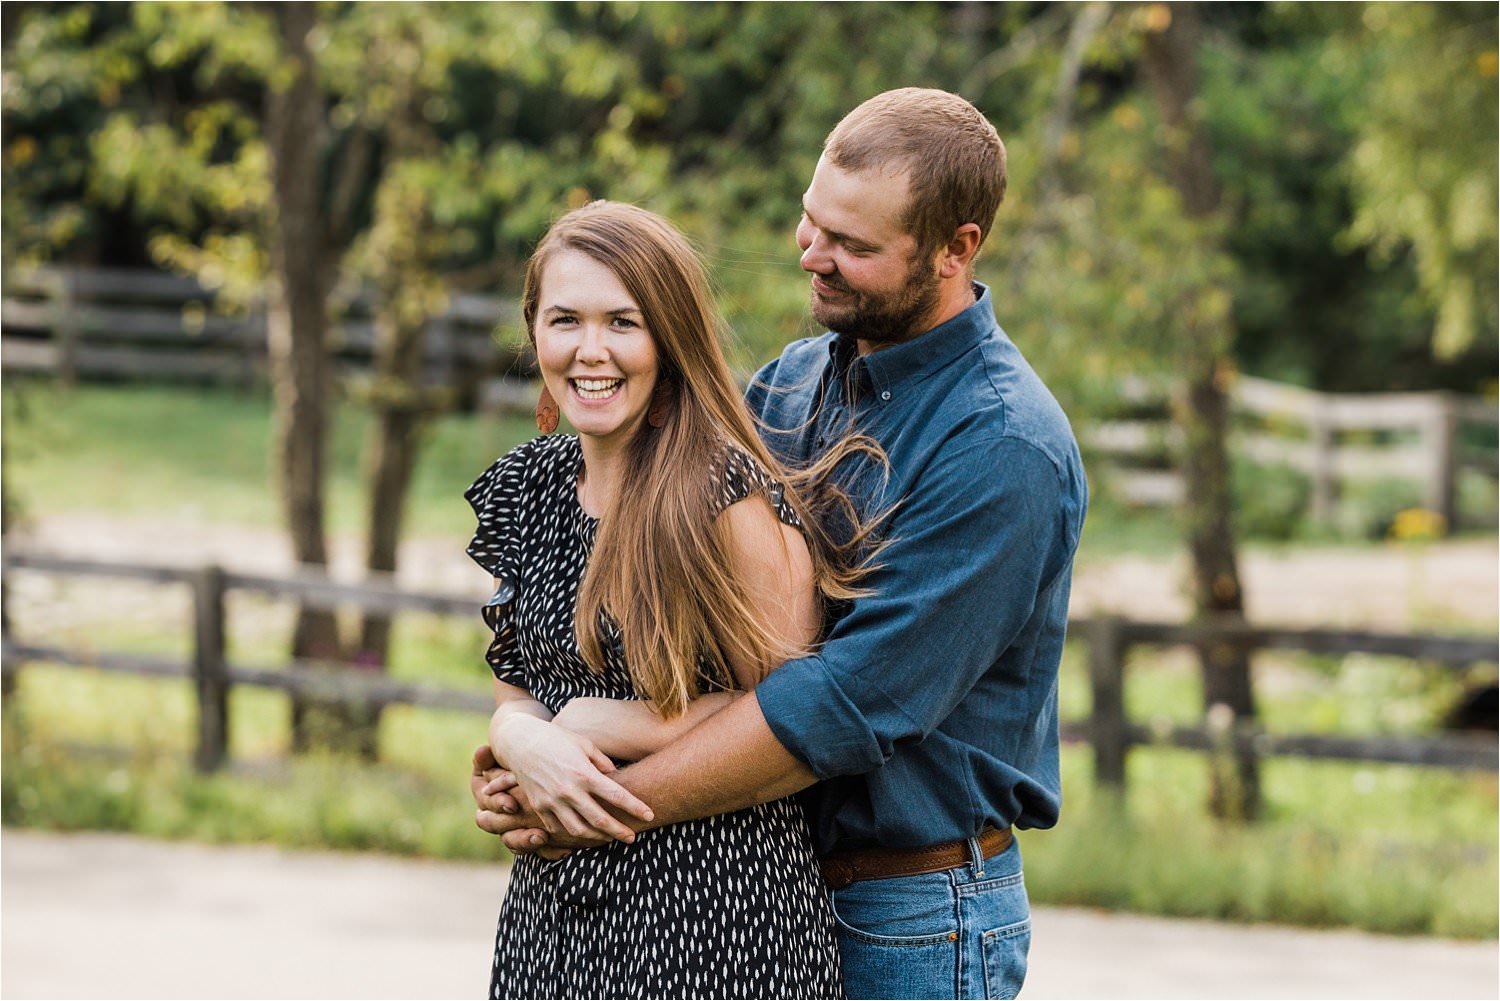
column 661, row 567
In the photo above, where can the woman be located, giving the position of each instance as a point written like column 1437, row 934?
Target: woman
column 647, row 572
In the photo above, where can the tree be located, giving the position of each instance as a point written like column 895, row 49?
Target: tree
column 1172, row 42
column 300, row 273
column 1424, row 168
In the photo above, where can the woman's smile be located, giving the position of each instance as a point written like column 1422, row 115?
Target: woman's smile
column 596, row 390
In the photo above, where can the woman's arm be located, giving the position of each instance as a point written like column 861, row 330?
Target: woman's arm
column 628, row 730
column 772, row 560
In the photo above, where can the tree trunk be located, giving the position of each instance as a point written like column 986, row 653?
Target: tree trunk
column 11, row 669
column 1171, row 53
column 296, row 324
column 390, row 457
column 397, row 398
column 407, row 294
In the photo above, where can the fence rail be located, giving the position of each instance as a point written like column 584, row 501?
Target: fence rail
column 1108, row 730
column 1431, row 451
column 118, row 323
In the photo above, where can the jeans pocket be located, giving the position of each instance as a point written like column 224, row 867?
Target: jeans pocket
column 898, row 938
column 905, row 911
column 898, row 968
column 1005, row 950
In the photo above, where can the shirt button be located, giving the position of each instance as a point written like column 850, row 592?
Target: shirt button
column 886, row 395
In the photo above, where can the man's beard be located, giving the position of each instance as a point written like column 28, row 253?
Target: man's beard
column 882, row 318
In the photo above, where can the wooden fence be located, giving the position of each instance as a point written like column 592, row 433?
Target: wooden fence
column 125, row 324
column 1112, row 733
column 111, row 323
column 1305, row 430
column 1108, row 730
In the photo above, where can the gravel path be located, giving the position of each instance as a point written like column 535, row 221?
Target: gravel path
column 92, row 915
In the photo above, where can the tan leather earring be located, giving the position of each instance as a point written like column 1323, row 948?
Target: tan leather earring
column 546, row 411
column 661, row 404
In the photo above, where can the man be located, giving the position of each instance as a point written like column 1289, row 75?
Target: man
column 929, row 716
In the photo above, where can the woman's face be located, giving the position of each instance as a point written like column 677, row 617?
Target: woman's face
column 593, row 348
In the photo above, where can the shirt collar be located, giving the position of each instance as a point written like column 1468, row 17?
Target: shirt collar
column 925, row 354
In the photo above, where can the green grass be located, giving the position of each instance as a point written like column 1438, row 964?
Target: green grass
column 1384, row 848
column 204, row 456
column 89, row 750
column 310, row 802
column 1343, row 845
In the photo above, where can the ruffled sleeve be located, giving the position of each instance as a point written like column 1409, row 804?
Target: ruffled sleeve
column 496, row 546
column 742, row 476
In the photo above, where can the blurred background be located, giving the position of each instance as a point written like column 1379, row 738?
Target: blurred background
column 261, row 267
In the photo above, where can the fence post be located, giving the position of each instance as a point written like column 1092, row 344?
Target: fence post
column 1439, row 441
column 1107, row 648
column 10, row 668
column 439, row 363
column 252, row 342
column 1324, row 472
column 210, row 671
column 66, row 327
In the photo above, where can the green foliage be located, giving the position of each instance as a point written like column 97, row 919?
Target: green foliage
column 1270, row 502
column 1425, row 166
column 1368, row 508
column 1351, row 146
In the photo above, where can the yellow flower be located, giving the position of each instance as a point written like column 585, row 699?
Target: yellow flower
column 1418, row 524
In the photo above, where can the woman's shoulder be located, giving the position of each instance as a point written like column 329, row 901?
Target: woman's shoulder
column 543, row 450
column 526, row 463
column 740, row 475
column 508, row 495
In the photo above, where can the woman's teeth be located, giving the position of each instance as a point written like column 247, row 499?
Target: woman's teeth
column 596, row 389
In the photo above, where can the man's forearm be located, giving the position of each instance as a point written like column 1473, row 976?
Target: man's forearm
column 728, row 762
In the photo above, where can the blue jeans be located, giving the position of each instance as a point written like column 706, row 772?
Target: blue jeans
column 962, row 933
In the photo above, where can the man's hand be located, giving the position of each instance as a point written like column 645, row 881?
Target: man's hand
column 523, row 834
column 486, row 770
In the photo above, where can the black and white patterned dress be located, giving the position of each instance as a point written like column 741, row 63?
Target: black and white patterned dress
column 730, row 906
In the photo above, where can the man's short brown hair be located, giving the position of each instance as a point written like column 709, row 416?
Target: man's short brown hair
column 954, row 158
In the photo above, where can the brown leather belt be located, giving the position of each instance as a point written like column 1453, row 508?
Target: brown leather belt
column 854, row 864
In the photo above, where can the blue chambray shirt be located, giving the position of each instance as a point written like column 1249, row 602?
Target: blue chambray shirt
column 931, row 709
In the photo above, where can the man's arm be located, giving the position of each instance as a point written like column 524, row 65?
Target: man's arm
column 730, row 762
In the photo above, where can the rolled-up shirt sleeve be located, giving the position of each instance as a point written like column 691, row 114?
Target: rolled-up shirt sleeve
column 973, row 542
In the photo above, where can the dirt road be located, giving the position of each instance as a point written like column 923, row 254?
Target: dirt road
column 89, row 915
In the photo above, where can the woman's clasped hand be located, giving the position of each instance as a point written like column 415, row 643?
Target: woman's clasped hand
column 564, row 779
